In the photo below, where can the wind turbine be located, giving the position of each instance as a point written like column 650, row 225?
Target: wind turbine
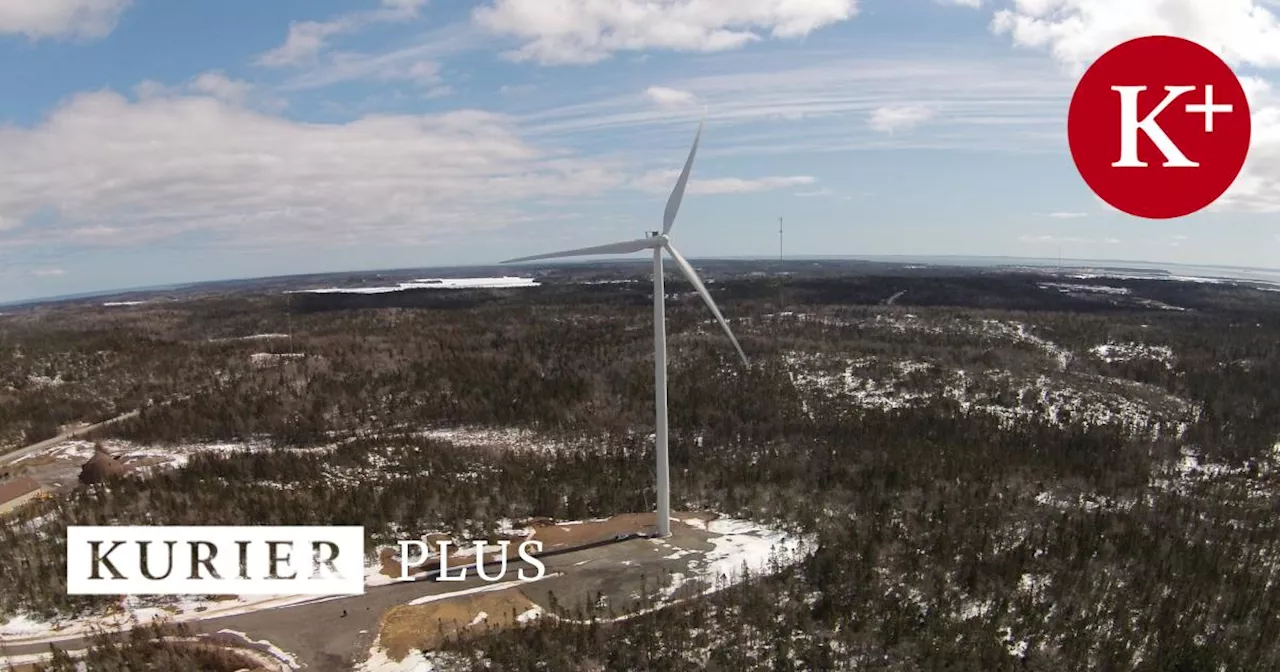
column 658, row 242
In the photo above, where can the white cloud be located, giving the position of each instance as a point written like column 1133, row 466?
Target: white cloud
column 665, row 97
column 894, row 118
column 973, row 4
column 1246, row 33
column 585, row 31
column 103, row 168
column 220, row 86
column 213, row 84
column 48, row 272
column 38, row 19
column 1068, row 215
column 404, row 5
column 307, row 39
column 658, row 181
column 304, row 42
column 1078, row 31
column 397, row 64
column 423, row 73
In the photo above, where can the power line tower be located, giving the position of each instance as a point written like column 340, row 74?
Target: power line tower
column 781, row 278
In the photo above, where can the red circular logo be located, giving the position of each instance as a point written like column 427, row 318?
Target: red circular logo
column 1159, row 127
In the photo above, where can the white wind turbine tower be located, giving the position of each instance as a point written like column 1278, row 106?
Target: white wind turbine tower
column 658, row 242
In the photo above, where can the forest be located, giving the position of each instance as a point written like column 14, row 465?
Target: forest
column 1001, row 474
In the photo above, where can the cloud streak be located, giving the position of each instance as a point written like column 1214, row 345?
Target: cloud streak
column 587, row 31
column 306, row 40
column 895, row 118
column 769, row 107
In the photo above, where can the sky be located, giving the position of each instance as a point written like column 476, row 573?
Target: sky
column 150, row 142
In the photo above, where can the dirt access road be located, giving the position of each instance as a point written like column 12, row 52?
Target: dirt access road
column 20, row 453
column 9, row 458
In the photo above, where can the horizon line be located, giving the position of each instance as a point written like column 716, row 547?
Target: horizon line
column 1045, row 261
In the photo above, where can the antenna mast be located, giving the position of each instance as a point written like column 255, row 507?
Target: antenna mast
column 781, row 279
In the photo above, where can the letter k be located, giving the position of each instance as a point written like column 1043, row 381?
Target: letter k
column 1130, row 125
column 99, row 560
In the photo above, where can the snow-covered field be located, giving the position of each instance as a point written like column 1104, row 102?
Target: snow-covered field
column 430, row 283
column 1068, row 288
column 416, row 661
column 263, row 360
column 136, row 612
column 507, row 438
column 1091, row 400
column 250, row 337
column 79, row 451
column 740, row 547
column 1112, row 353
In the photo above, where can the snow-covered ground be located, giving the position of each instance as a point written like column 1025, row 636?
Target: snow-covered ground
column 1091, row 400
column 430, row 283
column 740, row 547
column 250, row 337
column 416, row 661
column 1113, row 352
column 45, row 381
column 1192, row 469
column 167, row 456
column 267, row 647
column 262, row 360
column 1069, row 288
column 268, row 659
column 138, row 612
column 507, row 438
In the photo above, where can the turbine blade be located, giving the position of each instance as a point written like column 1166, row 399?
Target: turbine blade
column 706, row 296
column 677, row 194
column 613, row 248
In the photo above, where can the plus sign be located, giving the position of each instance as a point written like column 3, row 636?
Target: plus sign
column 1208, row 109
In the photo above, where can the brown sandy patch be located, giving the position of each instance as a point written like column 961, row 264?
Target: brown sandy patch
column 391, row 565
column 562, row 535
column 553, row 535
column 405, row 628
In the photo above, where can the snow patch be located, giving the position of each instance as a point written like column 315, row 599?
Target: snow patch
column 430, row 283
column 275, row 651
column 1113, row 353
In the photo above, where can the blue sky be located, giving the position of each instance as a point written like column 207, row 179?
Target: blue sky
column 150, row 142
